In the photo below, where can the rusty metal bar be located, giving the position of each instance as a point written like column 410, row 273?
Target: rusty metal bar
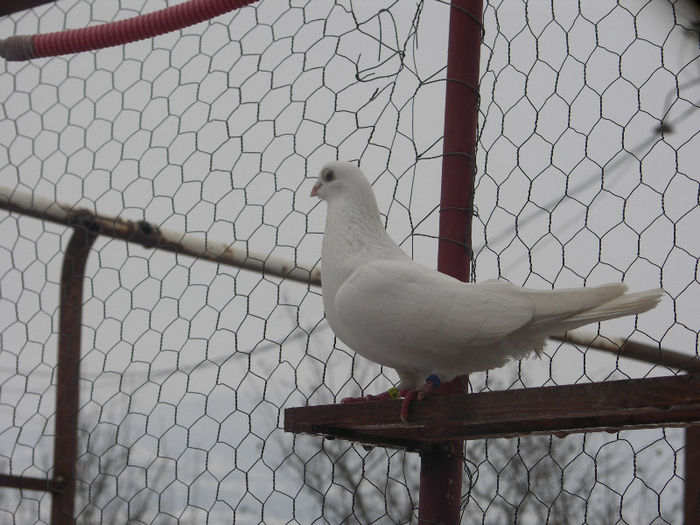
column 68, row 370
column 151, row 236
column 559, row 410
column 29, row 483
column 633, row 350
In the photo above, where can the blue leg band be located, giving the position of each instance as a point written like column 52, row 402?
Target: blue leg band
column 435, row 380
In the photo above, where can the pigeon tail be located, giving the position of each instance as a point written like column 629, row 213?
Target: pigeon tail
column 627, row 304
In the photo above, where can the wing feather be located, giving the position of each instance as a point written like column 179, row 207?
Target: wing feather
column 399, row 309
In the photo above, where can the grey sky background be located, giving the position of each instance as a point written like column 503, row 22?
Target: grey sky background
column 218, row 131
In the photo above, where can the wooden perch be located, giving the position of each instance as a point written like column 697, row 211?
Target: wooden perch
column 609, row 406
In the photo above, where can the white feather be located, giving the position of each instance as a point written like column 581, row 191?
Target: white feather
column 398, row 313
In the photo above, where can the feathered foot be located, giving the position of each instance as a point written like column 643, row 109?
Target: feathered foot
column 432, row 382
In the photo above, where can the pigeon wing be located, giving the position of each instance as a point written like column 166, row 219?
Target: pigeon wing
column 401, row 313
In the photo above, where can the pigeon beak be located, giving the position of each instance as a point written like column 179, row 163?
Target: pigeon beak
column 314, row 190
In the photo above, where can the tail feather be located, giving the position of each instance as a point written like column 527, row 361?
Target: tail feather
column 627, row 304
column 562, row 310
column 565, row 302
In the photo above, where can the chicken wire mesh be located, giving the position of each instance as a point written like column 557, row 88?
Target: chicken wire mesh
column 587, row 144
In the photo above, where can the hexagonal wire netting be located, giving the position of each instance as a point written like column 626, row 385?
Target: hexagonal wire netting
column 214, row 131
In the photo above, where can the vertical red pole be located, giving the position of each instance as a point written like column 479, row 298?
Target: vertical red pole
column 459, row 147
column 441, row 469
column 68, row 375
column 692, row 475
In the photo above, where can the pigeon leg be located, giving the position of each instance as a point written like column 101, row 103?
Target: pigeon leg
column 430, row 387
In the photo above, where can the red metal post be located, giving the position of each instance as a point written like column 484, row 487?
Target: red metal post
column 692, row 475
column 68, row 374
column 441, row 470
column 459, row 147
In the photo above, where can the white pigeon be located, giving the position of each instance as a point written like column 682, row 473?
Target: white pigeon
column 423, row 323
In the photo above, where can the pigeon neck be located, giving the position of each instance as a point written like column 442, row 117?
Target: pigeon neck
column 356, row 221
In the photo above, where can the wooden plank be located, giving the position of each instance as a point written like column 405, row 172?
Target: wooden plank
column 608, row 406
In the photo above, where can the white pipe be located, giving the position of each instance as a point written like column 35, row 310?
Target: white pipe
column 144, row 233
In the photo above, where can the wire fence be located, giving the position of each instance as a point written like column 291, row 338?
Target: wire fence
column 587, row 147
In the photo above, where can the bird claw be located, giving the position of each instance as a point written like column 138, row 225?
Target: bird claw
column 430, row 387
column 351, row 400
column 407, row 400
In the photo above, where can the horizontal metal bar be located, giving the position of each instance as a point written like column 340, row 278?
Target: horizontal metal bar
column 151, row 236
column 633, row 350
column 559, row 410
column 28, row 483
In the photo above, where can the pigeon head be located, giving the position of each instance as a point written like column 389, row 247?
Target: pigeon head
column 339, row 179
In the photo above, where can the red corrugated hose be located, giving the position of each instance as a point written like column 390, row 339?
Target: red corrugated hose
column 25, row 47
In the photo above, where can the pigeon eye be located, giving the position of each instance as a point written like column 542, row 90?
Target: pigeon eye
column 328, row 175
